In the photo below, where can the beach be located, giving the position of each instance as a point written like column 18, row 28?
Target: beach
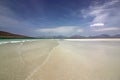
column 54, row 59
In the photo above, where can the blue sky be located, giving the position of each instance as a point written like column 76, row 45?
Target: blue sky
column 60, row 17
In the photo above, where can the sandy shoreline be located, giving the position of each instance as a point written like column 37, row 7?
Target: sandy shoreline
column 117, row 39
column 60, row 60
column 65, row 64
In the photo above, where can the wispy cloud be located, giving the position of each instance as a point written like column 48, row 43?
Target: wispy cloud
column 28, row 17
column 61, row 30
column 79, row 30
column 103, row 13
column 107, row 29
column 103, row 16
column 97, row 25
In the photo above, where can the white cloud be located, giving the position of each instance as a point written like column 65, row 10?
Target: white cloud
column 57, row 29
column 107, row 29
column 61, row 30
column 79, row 30
column 97, row 25
column 103, row 16
column 107, row 13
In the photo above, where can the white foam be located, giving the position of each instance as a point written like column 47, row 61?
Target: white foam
column 5, row 42
column 15, row 41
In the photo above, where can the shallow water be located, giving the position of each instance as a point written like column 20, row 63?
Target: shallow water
column 60, row 59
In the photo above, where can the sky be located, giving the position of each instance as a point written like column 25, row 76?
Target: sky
column 60, row 17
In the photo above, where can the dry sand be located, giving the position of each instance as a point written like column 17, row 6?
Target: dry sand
column 63, row 60
column 68, row 62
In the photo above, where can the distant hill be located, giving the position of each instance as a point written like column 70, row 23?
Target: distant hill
column 77, row 37
column 117, row 35
column 80, row 37
column 8, row 35
column 101, row 36
column 105, row 36
column 4, row 34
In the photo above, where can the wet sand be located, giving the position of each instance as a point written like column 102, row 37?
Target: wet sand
column 18, row 60
column 62, row 60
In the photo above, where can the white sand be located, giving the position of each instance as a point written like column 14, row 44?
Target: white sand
column 19, row 60
column 70, row 60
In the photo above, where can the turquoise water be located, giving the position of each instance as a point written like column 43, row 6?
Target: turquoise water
column 4, row 41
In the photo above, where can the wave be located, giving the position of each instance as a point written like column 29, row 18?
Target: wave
column 15, row 41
